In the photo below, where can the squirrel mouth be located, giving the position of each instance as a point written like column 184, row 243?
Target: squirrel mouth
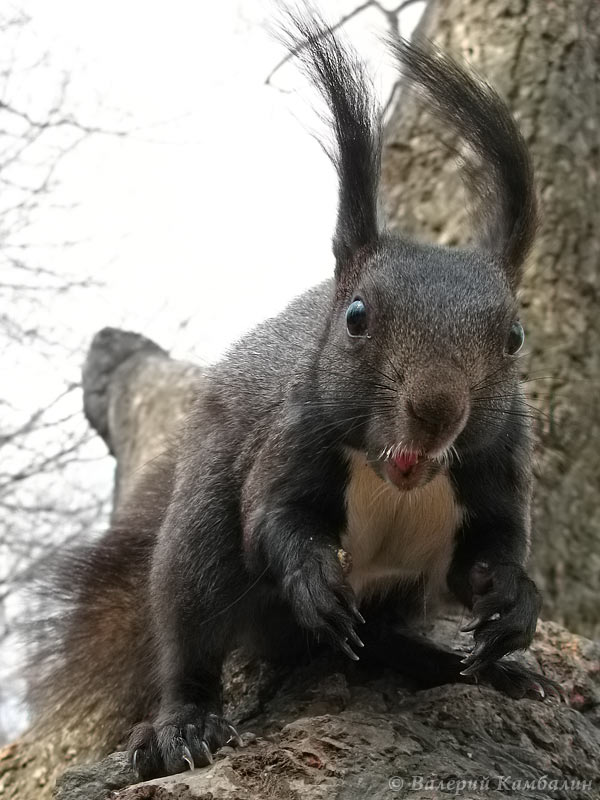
column 405, row 460
column 406, row 469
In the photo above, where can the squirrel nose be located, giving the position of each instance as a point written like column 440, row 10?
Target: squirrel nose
column 439, row 403
column 437, row 413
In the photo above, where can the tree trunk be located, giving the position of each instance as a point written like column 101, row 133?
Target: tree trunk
column 544, row 58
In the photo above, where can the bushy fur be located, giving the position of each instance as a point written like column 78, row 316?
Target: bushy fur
column 498, row 170
column 236, row 539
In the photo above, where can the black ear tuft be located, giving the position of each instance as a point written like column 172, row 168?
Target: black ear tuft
column 502, row 181
column 335, row 69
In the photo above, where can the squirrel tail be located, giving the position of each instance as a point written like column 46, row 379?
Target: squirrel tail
column 92, row 672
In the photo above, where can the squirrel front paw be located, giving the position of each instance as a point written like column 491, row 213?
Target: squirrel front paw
column 323, row 602
column 505, row 611
column 180, row 739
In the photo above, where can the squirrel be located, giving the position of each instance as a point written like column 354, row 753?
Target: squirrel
column 361, row 453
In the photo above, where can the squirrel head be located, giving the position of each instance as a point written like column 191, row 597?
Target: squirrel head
column 421, row 344
column 422, row 347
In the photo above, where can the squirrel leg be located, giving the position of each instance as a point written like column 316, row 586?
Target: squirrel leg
column 200, row 596
column 431, row 665
column 189, row 725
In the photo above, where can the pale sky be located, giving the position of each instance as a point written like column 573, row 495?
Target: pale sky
column 217, row 208
column 220, row 205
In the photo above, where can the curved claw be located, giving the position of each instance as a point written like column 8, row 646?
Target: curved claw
column 358, row 615
column 187, row 757
column 206, row 751
column 348, row 650
column 471, row 625
column 477, row 622
column 472, row 667
column 134, row 759
column 235, row 737
column 556, row 693
column 355, row 639
column 538, row 689
column 473, row 661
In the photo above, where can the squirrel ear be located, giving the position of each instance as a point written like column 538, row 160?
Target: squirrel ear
column 357, row 155
column 339, row 75
column 500, row 177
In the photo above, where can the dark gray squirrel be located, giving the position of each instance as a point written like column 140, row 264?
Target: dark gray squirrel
column 352, row 459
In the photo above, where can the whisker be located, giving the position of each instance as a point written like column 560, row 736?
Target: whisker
column 394, row 369
column 477, row 386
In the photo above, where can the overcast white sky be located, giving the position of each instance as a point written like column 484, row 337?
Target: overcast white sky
column 219, row 205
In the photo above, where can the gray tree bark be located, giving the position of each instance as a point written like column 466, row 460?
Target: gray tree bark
column 135, row 396
column 544, row 58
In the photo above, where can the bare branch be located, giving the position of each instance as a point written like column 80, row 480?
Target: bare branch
column 390, row 15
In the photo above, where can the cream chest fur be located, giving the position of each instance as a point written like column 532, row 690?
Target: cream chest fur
column 394, row 536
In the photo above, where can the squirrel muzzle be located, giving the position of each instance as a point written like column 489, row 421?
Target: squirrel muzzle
column 437, row 409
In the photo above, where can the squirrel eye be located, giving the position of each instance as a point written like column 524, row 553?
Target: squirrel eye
column 356, row 318
column 516, row 337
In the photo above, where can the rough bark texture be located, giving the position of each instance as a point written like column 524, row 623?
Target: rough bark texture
column 328, row 733
column 544, row 58
column 331, row 730
column 135, row 395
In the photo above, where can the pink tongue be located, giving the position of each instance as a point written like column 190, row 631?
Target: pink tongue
column 404, row 461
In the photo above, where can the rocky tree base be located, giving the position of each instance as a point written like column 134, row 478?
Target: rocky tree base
column 333, row 730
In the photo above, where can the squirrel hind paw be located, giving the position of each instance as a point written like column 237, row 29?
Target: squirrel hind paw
column 178, row 742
